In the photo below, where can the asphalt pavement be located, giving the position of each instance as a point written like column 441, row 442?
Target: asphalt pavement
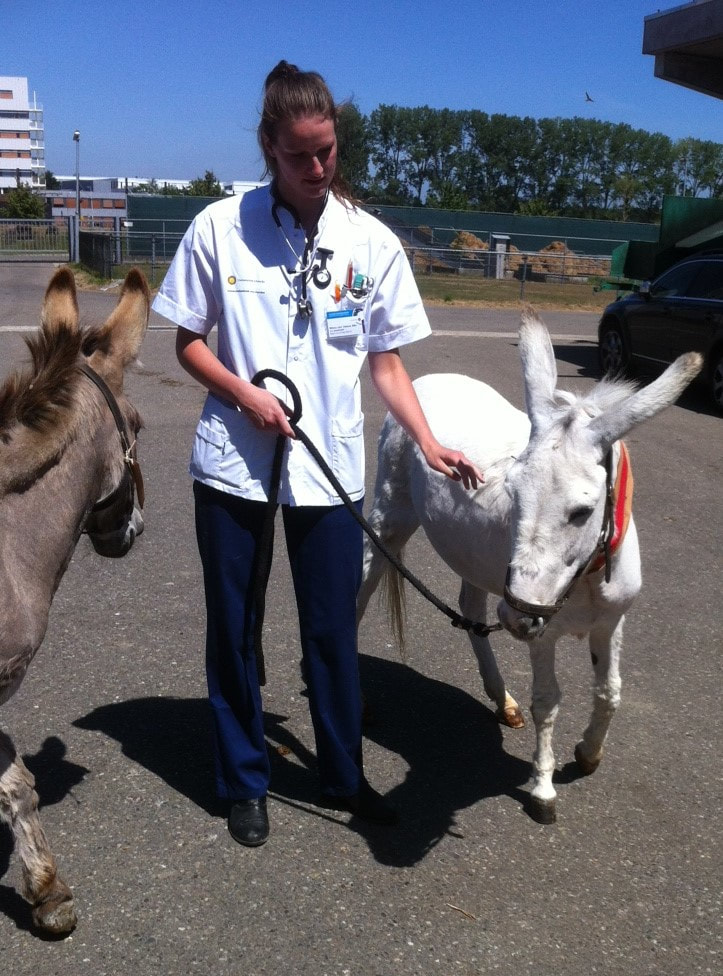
column 112, row 720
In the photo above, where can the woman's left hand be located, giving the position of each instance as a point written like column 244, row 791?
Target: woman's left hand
column 396, row 390
column 454, row 465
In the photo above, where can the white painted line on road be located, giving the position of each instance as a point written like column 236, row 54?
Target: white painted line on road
column 35, row 328
column 446, row 333
column 512, row 336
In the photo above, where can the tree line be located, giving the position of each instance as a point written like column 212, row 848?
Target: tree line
column 469, row 160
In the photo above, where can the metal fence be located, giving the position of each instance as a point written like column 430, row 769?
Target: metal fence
column 555, row 263
column 112, row 254
column 34, row 240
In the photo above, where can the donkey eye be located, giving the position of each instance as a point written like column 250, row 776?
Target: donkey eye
column 580, row 515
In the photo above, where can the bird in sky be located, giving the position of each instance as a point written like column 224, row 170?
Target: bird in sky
column 588, row 99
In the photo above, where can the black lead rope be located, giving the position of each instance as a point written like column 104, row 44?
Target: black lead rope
column 265, row 549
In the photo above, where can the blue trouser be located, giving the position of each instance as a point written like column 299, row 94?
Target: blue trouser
column 325, row 553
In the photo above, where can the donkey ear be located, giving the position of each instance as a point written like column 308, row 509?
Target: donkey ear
column 60, row 306
column 613, row 424
column 117, row 342
column 538, row 367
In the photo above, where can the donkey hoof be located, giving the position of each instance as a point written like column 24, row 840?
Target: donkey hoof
column 542, row 811
column 511, row 716
column 585, row 765
column 56, row 914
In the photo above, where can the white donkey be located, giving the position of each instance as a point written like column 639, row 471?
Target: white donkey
column 550, row 529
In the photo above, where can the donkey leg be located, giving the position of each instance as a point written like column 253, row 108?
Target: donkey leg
column 605, row 652
column 545, row 705
column 473, row 605
column 51, row 898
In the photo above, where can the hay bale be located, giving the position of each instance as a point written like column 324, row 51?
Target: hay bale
column 466, row 241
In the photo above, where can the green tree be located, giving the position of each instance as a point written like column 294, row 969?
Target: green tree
column 472, row 170
column 391, row 136
column 447, row 196
column 23, row 204
column 550, row 168
column 431, row 158
column 535, row 208
column 627, row 187
column 611, row 165
column 354, row 147
column 576, row 166
column 51, row 181
column 655, row 172
column 698, row 167
column 150, row 187
column 205, row 186
column 588, row 149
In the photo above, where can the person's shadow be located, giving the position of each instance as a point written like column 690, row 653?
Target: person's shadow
column 450, row 741
column 55, row 777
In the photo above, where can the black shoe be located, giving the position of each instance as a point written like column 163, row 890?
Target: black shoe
column 367, row 804
column 248, row 822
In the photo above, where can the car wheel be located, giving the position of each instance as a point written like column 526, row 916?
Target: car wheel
column 715, row 381
column 613, row 354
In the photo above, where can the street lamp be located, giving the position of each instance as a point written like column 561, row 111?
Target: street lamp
column 76, row 140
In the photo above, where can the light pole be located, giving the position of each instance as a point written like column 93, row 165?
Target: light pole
column 76, row 140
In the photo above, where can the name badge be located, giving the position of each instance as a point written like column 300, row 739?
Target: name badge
column 346, row 323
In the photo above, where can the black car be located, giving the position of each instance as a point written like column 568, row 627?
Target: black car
column 679, row 311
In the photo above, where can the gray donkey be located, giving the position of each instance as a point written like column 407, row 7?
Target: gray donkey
column 67, row 465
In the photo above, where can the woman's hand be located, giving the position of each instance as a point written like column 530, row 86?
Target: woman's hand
column 453, row 464
column 395, row 388
column 264, row 410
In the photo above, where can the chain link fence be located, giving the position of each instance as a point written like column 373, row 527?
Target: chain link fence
column 554, row 263
column 111, row 255
column 34, row 240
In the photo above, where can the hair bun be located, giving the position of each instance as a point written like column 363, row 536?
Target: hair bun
column 282, row 70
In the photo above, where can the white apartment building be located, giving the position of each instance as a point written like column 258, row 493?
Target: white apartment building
column 22, row 139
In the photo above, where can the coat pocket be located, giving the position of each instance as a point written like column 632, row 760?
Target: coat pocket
column 347, row 442
column 209, row 447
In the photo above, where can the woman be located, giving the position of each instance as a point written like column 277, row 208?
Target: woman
column 296, row 279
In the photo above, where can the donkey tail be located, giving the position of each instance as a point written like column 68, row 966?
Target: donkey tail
column 393, row 597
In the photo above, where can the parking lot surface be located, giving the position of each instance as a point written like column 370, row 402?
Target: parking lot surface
column 112, row 720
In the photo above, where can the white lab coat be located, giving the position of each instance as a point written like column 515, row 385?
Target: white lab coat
column 239, row 268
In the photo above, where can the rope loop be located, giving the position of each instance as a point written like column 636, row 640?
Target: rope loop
column 274, row 374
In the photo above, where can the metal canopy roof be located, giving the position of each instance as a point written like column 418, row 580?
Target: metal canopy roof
column 687, row 43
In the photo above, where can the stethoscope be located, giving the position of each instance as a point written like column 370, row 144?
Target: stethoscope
column 314, row 268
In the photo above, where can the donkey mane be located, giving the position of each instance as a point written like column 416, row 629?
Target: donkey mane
column 566, row 407
column 40, row 395
column 38, row 405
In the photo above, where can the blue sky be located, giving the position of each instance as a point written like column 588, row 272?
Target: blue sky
column 171, row 89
